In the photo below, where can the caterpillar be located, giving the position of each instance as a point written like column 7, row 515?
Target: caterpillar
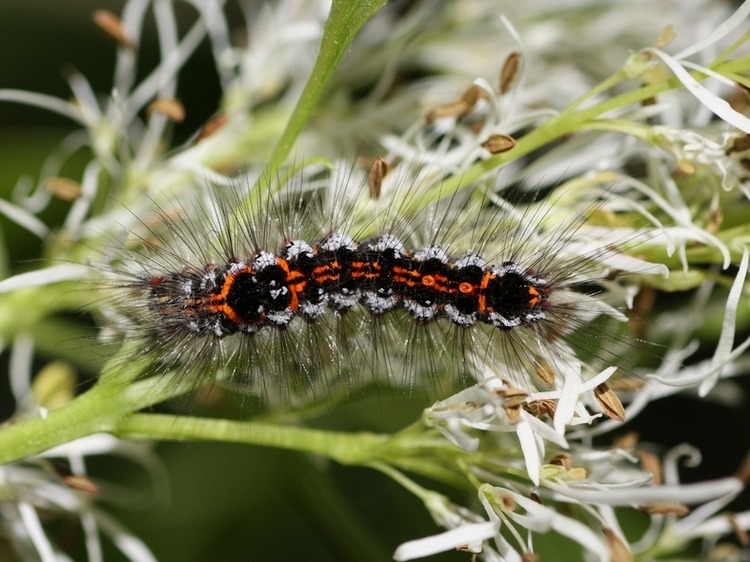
column 326, row 285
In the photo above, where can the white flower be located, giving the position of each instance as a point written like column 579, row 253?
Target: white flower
column 467, row 537
column 34, row 484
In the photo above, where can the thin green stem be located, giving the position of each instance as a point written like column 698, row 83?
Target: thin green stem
column 344, row 22
column 732, row 48
column 566, row 122
column 601, row 87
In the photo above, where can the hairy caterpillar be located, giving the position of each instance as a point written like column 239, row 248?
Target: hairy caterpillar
column 320, row 285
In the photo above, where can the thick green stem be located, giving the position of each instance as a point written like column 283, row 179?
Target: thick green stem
column 346, row 448
column 95, row 411
column 115, row 396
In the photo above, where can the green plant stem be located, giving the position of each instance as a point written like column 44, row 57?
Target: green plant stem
column 92, row 412
column 344, row 21
column 108, row 407
column 346, row 448
column 95, row 411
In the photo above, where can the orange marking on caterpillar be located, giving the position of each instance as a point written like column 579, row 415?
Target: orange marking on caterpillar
column 535, row 296
column 486, row 278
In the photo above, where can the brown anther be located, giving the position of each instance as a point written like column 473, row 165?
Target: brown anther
column 378, row 170
column 610, row 403
column 81, row 484
column 739, row 99
column 539, row 408
column 497, row 143
column 642, row 306
column 457, row 108
column 626, row 442
column 110, row 24
column 650, row 463
column 545, row 373
column 507, row 503
column 666, row 36
column 628, row 383
column 514, row 397
column 564, row 460
column 472, row 95
column 745, row 163
column 533, row 496
column 451, row 109
column 513, row 415
column 684, row 168
column 171, row 108
column 664, row 508
column 618, row 548
column 717, row 217
column 509, row 71
column 211, row 127
column 530, row 557
column 63, row 188
column 476, row 127
column 739, row 144
column 739, row 530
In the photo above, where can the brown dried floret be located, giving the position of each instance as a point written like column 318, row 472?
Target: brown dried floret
column 171, row 108
column 510, row 70
column 498, row 143
column 110, row 24
column 610, row 403
column 63, row 188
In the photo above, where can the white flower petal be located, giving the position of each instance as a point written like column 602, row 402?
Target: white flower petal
column 713, row 102
column 566, row 405
column 684, row 493
column 586, row 386
column 726, row 339
column 36, row 532
column 544, row 431
column 23, row 218
column 96, row 444
column 541, row 518
column 532, row 456
column 129, row 544
column 719, row 32
column 50, row 103
column 471, row 535
column 719, row 525
column 46, row 276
